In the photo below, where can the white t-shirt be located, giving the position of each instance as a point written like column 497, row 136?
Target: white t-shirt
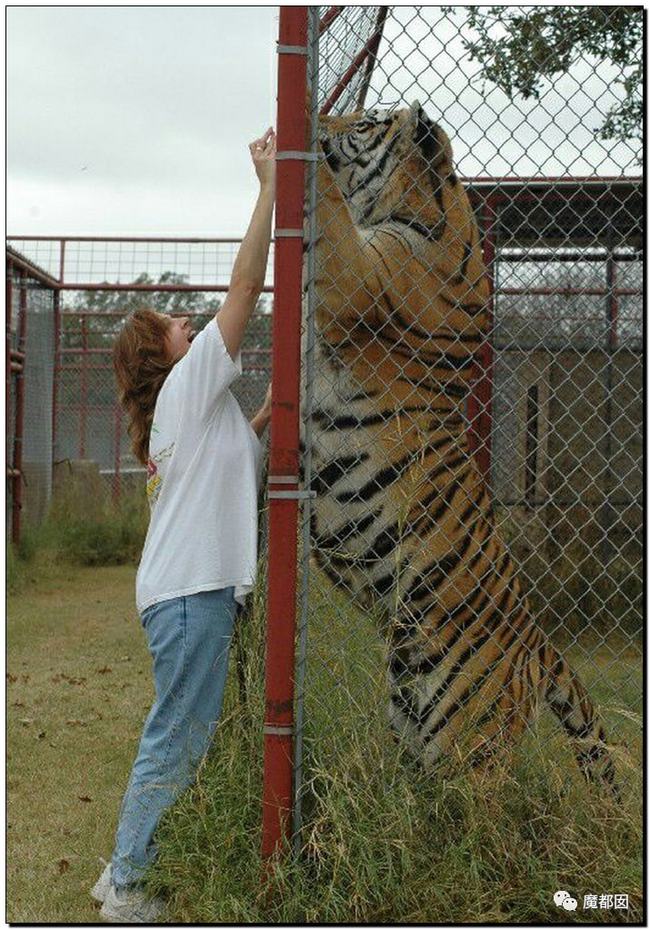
column 203, row 475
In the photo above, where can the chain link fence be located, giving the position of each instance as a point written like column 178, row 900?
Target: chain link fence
column 30, row 338
column 100, row 281
column 472, row 394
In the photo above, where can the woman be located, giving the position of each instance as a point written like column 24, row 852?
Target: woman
column 200, row 554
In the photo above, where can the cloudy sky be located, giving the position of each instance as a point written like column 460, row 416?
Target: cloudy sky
column 136, row 120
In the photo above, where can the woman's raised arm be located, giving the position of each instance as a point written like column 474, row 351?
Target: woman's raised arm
column 249, row 270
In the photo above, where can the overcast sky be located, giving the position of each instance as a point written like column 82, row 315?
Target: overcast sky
column 136, row 120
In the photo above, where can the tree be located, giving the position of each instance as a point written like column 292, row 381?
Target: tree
column 101, row 327
column 519, row 48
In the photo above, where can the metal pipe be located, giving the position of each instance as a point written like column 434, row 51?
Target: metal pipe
column 83, row 390
column 301, row 663
column 532, row 255
column 571, row 291
column 372, row 55
column 171, row 239
column 329, row 18
column 284, row 449
column 155, row 288
column 358, row 60
column 479, row 402
column 120, row 313
column 32, row 270
column 20, row 415
column 56, row 299
column 8, row 356
column 609, row 483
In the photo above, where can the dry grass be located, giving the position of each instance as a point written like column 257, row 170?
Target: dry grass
column 78, row 689
column 382, row 843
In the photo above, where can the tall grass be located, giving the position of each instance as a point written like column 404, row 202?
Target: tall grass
column 383, row 842
column 114, row 535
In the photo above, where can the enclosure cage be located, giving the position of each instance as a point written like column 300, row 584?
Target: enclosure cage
column 31, row 306
column 379, row 609
column 82, row 289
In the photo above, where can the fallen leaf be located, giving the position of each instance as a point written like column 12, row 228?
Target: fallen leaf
column 74, row 722
column 84, row 798
column 102, row 671
column 64, row 865
column 25, row 677
column 18, row 704
column 11, row 678
column 26, row 721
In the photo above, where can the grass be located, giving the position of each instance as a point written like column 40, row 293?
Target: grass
column 382, row 843
column 78, row 688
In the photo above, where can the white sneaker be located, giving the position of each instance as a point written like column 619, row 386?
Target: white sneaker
column 131, row 906
column 101, row 886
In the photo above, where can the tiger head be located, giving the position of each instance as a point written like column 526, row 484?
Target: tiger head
column 383, row 160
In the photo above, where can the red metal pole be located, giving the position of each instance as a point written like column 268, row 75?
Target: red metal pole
column 62, row 262
column 284, row 453
column 8, row 315
column 329, row 18
column 84, row 389
column 614, row 294
column 57, row 363
column 359, row 59
column 479, row 402
column 372, row 55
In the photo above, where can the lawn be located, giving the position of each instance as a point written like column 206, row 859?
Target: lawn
column 381, row 842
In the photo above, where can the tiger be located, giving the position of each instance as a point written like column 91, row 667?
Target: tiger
column 402, row 519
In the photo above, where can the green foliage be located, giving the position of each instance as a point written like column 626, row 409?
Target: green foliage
column 14, row 570
column 519, row 48
column 21, row 558
column 114, row 537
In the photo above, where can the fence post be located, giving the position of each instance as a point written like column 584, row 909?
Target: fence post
column 479, row 401
column 83, row 412
column 56, row 300
column 20, row 412
column 9, row 450
column 284, row 453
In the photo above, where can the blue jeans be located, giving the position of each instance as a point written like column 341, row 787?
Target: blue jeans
column 189, row 640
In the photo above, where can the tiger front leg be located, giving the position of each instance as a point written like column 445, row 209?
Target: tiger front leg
column 346, row 282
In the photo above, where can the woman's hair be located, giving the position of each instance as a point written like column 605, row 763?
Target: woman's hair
column 141, row 363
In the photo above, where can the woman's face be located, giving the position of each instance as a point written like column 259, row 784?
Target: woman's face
column 178, row 336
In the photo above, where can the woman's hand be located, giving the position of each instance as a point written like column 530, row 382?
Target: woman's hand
column 261, row 419
column 266, row 406
column 263, row 154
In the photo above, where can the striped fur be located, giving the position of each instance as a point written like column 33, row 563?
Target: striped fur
column 403, row 520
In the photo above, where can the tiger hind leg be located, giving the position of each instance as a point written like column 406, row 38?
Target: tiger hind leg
column 568, row 699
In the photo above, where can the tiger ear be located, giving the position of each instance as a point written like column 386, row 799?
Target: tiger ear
column 426, row 139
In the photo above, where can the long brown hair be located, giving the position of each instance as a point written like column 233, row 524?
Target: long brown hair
column 141, row 363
